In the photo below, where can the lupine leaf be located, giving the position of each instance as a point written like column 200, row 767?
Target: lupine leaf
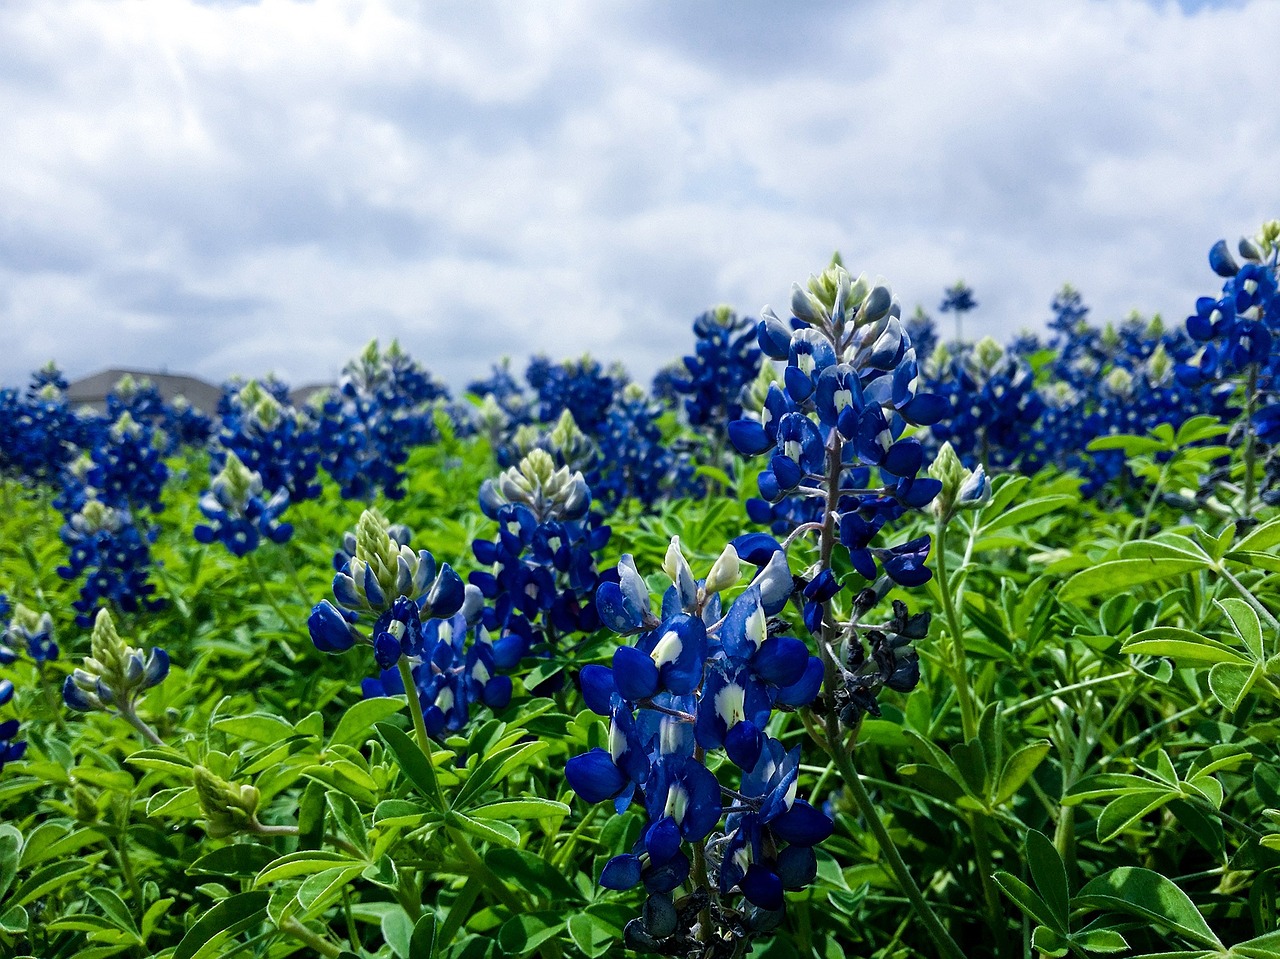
column 1123, row 574
column 226, row 918
column 1151, row 896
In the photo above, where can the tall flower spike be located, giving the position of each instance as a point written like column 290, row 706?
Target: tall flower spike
column 115, row 674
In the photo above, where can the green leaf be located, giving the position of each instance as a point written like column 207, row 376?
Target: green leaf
column 115, row 910
column 14, row 920
column 520, row 935
column 1125, row 810
column 1256, row 560
column 1122, row 574
column 304, row 862
column 501, row 833
column 1245, row 624
column 1132, row 445
column 533, row 874
column 1261, row 538
column 592, row 935
column 532, row 808
column 1047, row 942
column 1230, row 683
column 242, row 860
column 1183, row 645
column 46, row 879
column 1026, row 512
column 358, row 720
column 256, row 727
column 10, row 852
column 1148, row 895
column 497, row 767
column 1024, row 898
column 228, row 917
column 1018, row 769
column 423, row 943
column 1050, row 877
column 1100, row 940
column 419, row 770
column 404, row 812
column 318, row 891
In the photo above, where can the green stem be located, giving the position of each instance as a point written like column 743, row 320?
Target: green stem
column 1250, row 447
column 853, row 782
column 303, row 934
column 414, row 704
column 148, row 733
column 968, row 716
column 495, row 886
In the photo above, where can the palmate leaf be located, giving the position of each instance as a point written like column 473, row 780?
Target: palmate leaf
column 1122, row 574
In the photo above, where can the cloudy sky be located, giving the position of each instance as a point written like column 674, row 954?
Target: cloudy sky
column 225, row 187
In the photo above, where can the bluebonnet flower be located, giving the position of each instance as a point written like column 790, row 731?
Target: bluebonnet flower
column 724, row 361
column 112, row 553
column 422, row 618
column 958, row 299
column 542, row 572
column 127, row 469
column 383, row 406
column 115, row 675
column 992, row 403
column 694, row 681
column 271, row 438
column 31, row 632
column 582, row 387
column 508, row 396
column 453, row 661
column 39, row 432
column 849, row 391
column 239, row 512
column 634, row 461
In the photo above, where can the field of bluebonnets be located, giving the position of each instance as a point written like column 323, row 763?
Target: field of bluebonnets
column 848, row 637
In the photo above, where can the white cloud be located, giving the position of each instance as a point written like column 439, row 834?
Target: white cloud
column 226, row 188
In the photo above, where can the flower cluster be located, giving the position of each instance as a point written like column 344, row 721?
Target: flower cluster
column 724, row 361
column 700, row 680
column 238, row 511
column 28, row 631
column 581, row 386
column 992, row 402
column 1239, row 328
column 634, row 461
column 114, row 674
column 454, row 663
column 383, row 405
column 422, row 618
column 271, row 438
column 39, row 432
column 542, row 575
column 848, row 393
column 113, row 554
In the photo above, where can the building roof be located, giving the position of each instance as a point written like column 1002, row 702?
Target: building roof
column 93, row 390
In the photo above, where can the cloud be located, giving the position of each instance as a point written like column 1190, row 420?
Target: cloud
column 240, row 187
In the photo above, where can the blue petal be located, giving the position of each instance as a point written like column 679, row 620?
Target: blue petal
column 749, row 437
column 802, row 825
column 598, row 689
column 621, row 872
column 781, row 660
column 593, row 776
column 634, row 674
column 805, row 689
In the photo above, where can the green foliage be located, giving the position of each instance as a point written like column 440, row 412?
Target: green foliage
column 1087, row 769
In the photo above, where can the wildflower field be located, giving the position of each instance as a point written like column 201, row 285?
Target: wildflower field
column 847, row 636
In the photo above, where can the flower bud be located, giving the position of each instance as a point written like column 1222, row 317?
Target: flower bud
column 724, row 572
column 228, row 808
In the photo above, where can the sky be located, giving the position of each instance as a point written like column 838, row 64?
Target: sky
column 228, row 188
